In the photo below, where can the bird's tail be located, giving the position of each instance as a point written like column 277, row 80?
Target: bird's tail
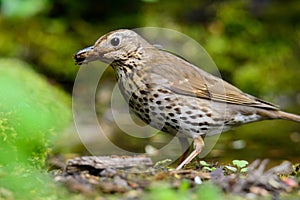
column 288, row 116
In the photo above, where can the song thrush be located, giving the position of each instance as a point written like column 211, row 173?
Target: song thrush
column 173, row 95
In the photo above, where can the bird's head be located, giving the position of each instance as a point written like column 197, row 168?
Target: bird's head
column 116, row 45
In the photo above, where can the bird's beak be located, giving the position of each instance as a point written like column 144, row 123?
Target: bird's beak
column 85, row 56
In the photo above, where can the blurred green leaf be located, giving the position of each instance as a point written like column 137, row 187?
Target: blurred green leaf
column 240, row 163
column 233, row 169
column 208, row 191
column 22, row 8
column 31, row 111
column 203, row 163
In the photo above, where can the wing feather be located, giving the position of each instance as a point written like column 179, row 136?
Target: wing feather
column 186, row 79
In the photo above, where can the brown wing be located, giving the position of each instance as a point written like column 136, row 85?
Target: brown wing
column 186, row 79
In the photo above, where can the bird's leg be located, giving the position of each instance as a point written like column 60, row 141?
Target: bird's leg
column 198, row 146
column 185, row 147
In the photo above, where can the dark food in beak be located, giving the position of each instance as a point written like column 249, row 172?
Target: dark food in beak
column 81, row 56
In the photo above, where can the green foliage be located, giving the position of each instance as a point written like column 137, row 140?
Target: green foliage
column 50, row 50
column 22, row 8
column 162, row 163
column 233, row 169
column 240, row 166
column 31, row 113
column 240, row 163
column 208, row 191
column 184, row 192
column 207, row 166
column 25, row 182
column 162, row 191
column 255, row 46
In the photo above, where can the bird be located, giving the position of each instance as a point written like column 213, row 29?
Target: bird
column 171, row 94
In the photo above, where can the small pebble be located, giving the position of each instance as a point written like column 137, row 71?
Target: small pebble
column 198, row 180
column 121, row 182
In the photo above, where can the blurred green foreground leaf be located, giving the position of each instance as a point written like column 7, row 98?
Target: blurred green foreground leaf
column 31, row 112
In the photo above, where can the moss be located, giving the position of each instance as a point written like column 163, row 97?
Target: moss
column 31, row 112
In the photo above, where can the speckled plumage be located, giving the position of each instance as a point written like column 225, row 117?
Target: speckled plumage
column 173, row 95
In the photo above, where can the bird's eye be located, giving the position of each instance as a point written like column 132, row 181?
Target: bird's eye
column 115, row 41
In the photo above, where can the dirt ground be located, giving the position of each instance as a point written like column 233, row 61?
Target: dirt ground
column 132, row 177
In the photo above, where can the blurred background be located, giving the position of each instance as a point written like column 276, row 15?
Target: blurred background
column 254, row 43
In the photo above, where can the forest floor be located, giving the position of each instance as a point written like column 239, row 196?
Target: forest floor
column 123, row 177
